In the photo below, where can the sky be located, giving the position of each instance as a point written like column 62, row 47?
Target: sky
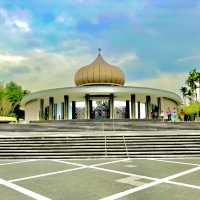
column 44, row 42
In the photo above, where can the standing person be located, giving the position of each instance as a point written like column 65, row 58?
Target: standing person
column 168, row 114
column 162, row 114
column 173, row 115
column 165, row 116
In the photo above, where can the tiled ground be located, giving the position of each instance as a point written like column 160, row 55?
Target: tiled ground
column 108, row 179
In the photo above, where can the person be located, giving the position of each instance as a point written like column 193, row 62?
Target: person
column 152, row 115
column 162, row 116
column 173, row 115
column 155, row 115
column 169, row 114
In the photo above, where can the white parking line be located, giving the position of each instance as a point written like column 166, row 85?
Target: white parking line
column 46, row 174
column 94, row 165
column 184, row 184
column 23, row 190
column 79, row 167
column 70, row 163
column 148, row 185
column 18, row 162
column 122, row 173
column 175, row 162
column 156, row 181
column 111, row 162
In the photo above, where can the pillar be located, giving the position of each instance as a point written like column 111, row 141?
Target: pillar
column 111, row 106
column 55, row 107
column 148, row 107
column 127, row 116
column 133, row 106
column 41, row 117
column 138, row 110
column 159, row 106
column 87, row 107
column 51, row 102
column 73, row 110
column 66, row 107
column 90, row 110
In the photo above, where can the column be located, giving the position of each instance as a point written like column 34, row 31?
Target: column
column 138, row 110
column 55, row 111
column 159, row 106
column 111, row 106
column 62, row 110
column 51, row 102
column 41, row 117
column 87, row 109
column 73, row 110
column 66, row 107
column 148, row 107
column 133, row 106
column 90, row 110
column 127, row 115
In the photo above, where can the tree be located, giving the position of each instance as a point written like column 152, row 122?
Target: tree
column 14, row 92
column 6, row 107
column 191, row 82
column 10, row 97
column 184, row 92
column 192, row 110
column 198, row 81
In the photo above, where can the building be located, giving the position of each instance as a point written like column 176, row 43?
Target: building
column 99, row 94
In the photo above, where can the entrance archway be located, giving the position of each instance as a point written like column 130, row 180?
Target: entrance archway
column 99, row 106
column 100, row 109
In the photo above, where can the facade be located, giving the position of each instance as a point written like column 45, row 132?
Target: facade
column 99, row 94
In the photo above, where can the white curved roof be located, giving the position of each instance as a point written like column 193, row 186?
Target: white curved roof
column 100, row 90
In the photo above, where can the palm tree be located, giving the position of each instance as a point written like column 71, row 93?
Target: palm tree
column 184, row 92
column 198, row 83
column 191, row 82
column 190, row 95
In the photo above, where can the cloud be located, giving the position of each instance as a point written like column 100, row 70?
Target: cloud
column 65, row 19
column 165, row 81
column 14, row 20
column 60, row 19
column 57, row 37
column 40, row 69
column 124, row 58
column 189, row 58
column 22, row 25
column 11, row 59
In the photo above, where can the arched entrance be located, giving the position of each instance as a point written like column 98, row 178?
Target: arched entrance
column 99, row 106
column 100, row 109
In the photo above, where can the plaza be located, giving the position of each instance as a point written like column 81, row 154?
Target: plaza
column 102, row 179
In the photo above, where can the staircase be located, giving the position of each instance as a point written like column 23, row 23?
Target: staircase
column 102, row 125
column 119, row 146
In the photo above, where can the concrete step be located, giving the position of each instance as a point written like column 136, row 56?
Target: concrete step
column 100, row 146
column 31, row 154
column 100, row 140
column 136, row 137
column 99, row 157
column 97, row 147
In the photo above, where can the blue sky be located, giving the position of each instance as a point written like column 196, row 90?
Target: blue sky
column 43, row 42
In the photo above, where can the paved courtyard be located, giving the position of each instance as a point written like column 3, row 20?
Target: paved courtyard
column 105, row 179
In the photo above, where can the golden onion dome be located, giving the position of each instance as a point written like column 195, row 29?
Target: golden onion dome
column 99, row 72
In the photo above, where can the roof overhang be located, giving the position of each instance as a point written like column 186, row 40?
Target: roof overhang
column 100, row 90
